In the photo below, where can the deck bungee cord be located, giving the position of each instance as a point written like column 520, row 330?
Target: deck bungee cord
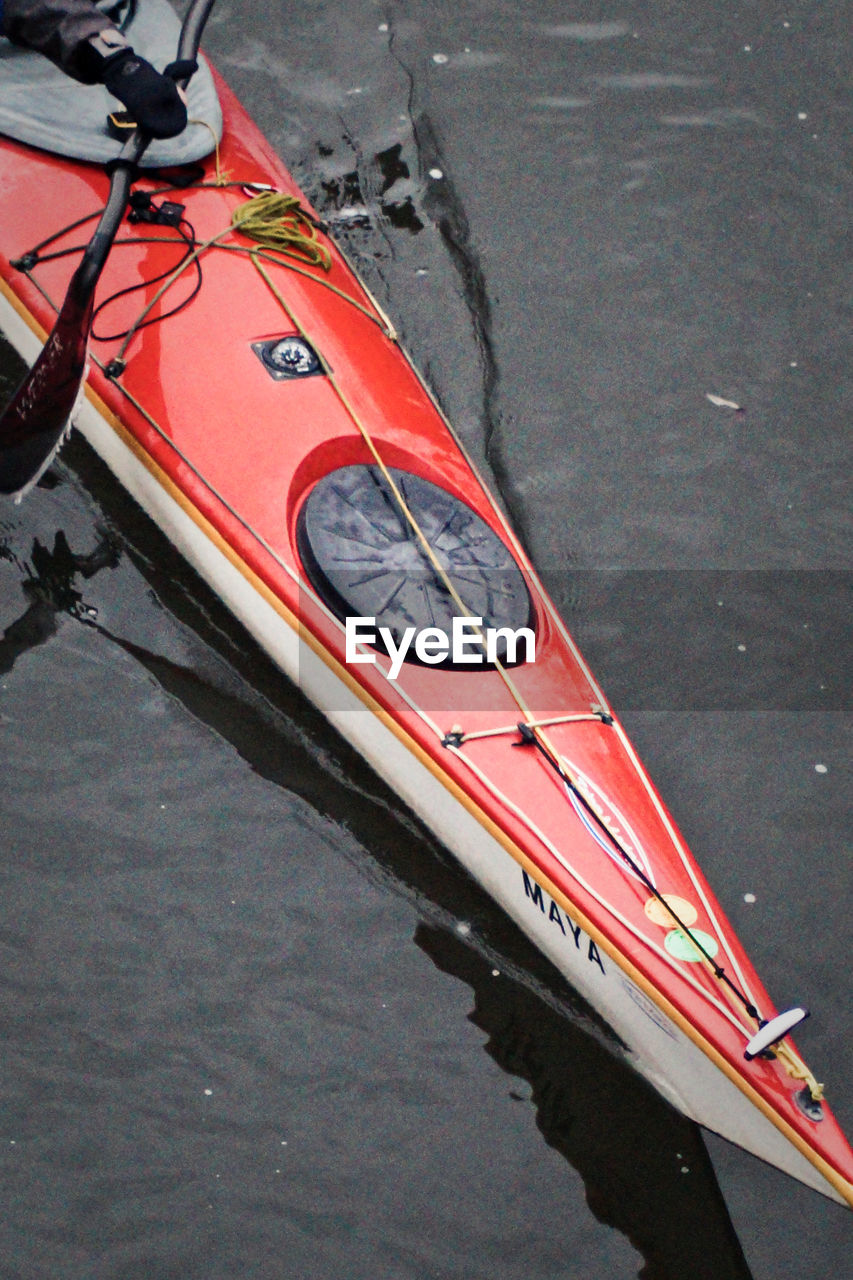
column 285, row 231
column 457, row 735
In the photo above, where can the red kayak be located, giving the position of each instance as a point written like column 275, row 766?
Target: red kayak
column 271, row 424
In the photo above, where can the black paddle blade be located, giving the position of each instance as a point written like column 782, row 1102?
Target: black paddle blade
column 34, row 424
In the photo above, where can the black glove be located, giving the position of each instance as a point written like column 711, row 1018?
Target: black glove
column 151, row 99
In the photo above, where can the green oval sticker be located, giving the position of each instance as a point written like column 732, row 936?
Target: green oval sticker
column 680, row 945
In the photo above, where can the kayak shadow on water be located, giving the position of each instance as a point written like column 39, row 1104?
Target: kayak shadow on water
column 644, row 1166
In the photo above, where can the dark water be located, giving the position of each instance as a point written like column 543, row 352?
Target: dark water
column 255, row 1023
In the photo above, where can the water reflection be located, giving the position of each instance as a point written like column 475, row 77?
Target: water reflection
column 49, row 584
column 391, row 192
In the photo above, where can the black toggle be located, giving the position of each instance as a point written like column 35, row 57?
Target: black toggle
column 143, row 209
column 26, row 262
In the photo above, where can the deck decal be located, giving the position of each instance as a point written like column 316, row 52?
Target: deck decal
column 606, row 845
column 649, row 1008
column 678, row 944
column 658, row 914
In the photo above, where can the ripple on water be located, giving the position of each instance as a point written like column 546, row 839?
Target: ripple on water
column 589, row 32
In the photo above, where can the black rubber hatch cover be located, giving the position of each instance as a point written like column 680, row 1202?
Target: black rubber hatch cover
column 364, row 559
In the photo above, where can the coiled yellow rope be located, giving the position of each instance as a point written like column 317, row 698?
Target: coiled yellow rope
column 279, row 222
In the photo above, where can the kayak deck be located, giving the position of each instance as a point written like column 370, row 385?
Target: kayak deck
column 557, row 818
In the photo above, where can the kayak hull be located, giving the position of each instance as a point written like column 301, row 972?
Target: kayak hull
column 214, row 499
